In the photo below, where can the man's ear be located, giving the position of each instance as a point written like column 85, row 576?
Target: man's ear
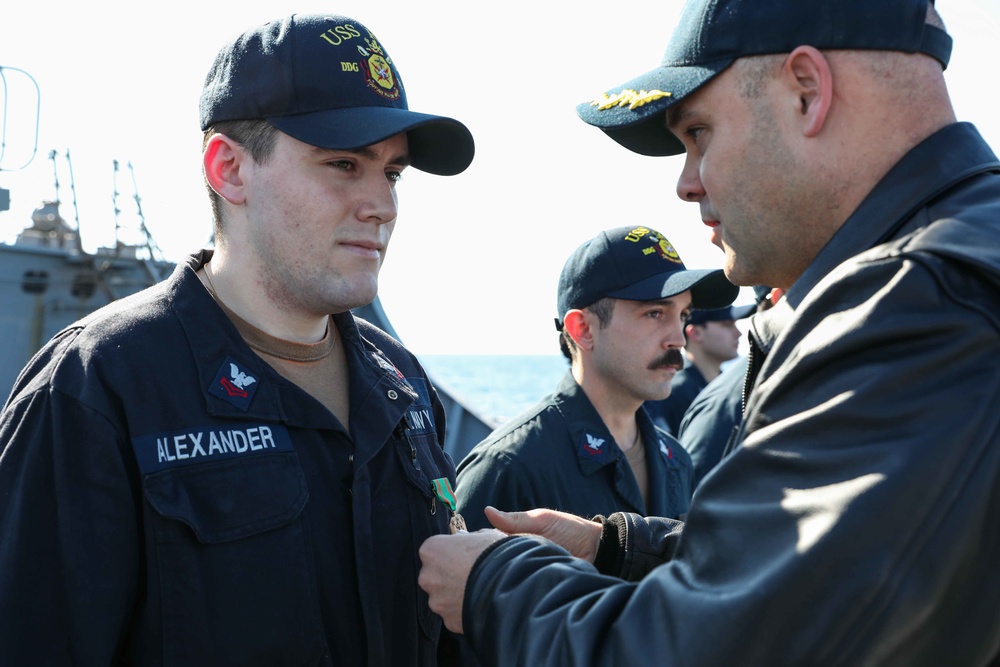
column 222, row 161
column 577, row 326
column 807, row 72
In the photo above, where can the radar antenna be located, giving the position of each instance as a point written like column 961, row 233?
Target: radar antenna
column 3, row 120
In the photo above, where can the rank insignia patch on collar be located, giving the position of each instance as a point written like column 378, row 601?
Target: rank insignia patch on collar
column 665, row 450
column 386, row 365
column 593, row 448
column 234, row 384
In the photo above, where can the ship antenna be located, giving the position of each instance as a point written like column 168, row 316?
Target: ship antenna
column 114, row 201
column 55, row 177
column 76, row 209
column 154, row 250
column 3, row 123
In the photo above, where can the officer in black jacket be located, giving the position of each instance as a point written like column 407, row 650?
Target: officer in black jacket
column 855, row 521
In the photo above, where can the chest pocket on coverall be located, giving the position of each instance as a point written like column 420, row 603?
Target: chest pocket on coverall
column 237, row 581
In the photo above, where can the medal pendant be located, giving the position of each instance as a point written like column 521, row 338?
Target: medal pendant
column 443, row 491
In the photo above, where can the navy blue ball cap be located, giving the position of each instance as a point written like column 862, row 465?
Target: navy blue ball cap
column 761, row 292
column 327, row 81
column 638, row 264
column 713, row 34
column 722, row 314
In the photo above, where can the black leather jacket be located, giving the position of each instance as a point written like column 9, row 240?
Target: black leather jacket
column 856, row 521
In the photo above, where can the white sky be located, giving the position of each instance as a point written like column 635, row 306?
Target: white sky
column 475, row 257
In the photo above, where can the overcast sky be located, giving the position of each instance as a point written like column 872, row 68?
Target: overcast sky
column 475, row 258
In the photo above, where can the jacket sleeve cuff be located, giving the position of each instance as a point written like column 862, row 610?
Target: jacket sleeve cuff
column 631, row 546
column 611, row 550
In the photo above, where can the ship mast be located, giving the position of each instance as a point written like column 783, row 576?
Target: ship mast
column 76, row 209
column 61, row 228
column 154, row 249
column 114, row 201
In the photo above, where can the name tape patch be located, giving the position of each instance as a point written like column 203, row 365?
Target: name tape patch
column 159, row 451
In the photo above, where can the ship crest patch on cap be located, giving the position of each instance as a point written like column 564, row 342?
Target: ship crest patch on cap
column 657, row 243
column 378, row 69
column 374, row 64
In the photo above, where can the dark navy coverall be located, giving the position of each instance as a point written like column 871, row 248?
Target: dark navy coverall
column 167, row 498
column 559, row 454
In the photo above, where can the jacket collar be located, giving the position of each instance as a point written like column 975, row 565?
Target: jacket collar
column 596, row 449
column 947, row 157
column 592, row 441
column 590, row 438
column 215, row 343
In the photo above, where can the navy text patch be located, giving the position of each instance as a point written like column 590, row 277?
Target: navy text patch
column 420, row 416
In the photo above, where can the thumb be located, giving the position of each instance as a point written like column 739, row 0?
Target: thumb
column 508, row 522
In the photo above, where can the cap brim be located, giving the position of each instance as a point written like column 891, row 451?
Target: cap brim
column 761, row 292
column 638, row 123
column 709, row 288
column 726, row 313
column 437, row 144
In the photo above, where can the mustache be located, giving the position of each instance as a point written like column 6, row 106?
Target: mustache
column 670, row 358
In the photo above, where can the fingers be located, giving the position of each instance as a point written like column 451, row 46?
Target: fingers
column 446, row 561
column 508, row 522
column 535, row 521
column 575, row 534
column 445, row 594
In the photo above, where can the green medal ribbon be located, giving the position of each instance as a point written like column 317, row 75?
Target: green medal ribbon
column 443, row 490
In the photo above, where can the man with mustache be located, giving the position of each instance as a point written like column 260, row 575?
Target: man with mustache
column 711, row 339
column 590, row 448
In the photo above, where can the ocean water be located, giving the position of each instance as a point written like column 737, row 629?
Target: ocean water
column 496, row 386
